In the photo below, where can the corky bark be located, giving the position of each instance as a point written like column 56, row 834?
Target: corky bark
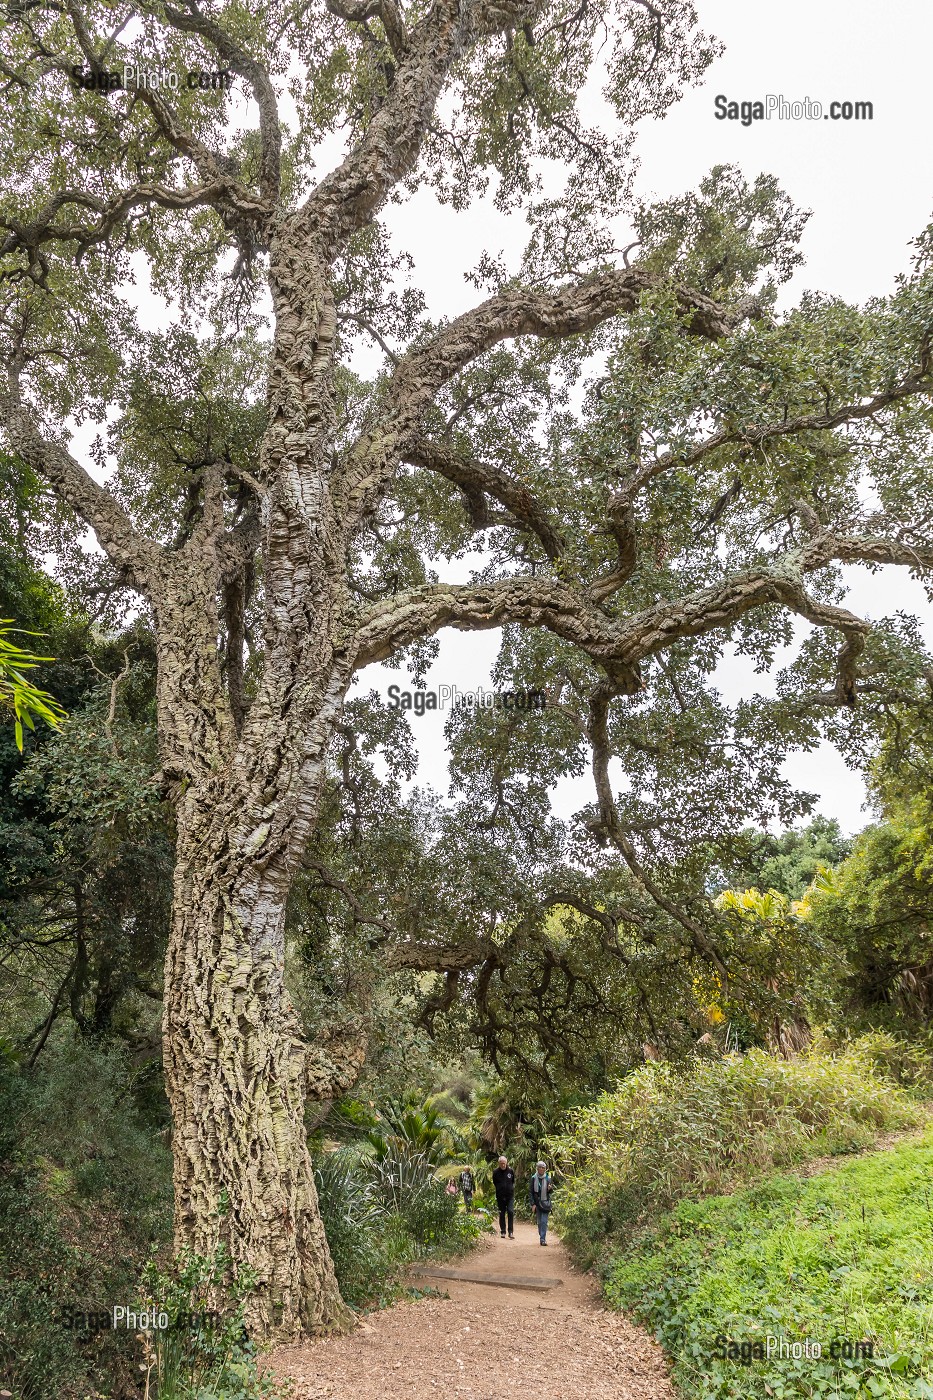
column 236, row 1065
column 246, row 780
column 235, row 1062
column 235, row 1074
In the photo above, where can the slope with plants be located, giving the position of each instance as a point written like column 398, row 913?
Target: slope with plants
column 671, row 1189
column 843, row 1257
column 670, row 1133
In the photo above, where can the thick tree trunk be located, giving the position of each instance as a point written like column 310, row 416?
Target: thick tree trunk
column 235, row 1073
column 248, row 786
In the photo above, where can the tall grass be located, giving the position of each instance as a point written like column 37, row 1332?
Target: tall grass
column 666, row 1133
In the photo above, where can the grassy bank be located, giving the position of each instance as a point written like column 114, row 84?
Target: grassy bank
column 677, row 1187
column 666, row 1134
column 844, row 1254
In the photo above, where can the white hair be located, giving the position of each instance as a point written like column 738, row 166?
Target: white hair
column 542, row 1164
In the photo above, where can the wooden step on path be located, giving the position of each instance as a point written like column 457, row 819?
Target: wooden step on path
column 535, row 1282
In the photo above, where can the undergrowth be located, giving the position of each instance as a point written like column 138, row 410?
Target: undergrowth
column 844, row 1255
column 379, row 1215
column 666, row 1133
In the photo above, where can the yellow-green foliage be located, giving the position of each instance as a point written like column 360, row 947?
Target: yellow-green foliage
column 668, row 1133
column 17, row 692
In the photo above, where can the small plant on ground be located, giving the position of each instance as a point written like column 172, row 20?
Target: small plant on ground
column 203, row 1353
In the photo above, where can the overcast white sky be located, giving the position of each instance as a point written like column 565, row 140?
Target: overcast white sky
column 870, row 188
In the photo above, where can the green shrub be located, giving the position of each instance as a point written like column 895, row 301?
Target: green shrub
column 85, row 1191
column 80, row 1114
column 842, row 1255
column 212, row 1360
column 669, row 1133
column 399, row 1174
column 418, row 1127
column 38, row 1358
column 380, row 1213
column 908, row 1062
column 368, row 1244
column 432, row 1219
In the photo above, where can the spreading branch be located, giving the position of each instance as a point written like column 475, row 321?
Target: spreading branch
column 619, row 645
column 551, row 315
column 479, row 478
column 221, row 194
column 134, row 554
column 757, row 434
column 254, row 73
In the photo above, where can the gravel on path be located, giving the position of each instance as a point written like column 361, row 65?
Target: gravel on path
column 485, row 1342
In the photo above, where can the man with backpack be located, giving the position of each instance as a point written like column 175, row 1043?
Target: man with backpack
column 540, row 1197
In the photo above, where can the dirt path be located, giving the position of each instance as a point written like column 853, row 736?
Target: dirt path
column 536, row 1329
column 885, row 1143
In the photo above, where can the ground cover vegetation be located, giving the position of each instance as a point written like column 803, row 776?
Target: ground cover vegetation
column 672, row 1191
column 840, row 1257
column 702, row 1129
column 215, row 867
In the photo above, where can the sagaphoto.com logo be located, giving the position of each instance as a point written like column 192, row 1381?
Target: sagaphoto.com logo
column 449, row 697
column 151, row 78
column 776, row 107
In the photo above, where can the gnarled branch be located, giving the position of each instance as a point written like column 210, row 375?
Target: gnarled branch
column 518, row 311
column 255, row 74
column 133, row 553
column 617, row 646
column 479, row 477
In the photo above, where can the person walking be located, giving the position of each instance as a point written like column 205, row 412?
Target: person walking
column 540, row 1197
column 503, row 1179
column 467, row 1186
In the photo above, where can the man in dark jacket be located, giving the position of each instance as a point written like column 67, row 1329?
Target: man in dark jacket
column 503, row 1179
